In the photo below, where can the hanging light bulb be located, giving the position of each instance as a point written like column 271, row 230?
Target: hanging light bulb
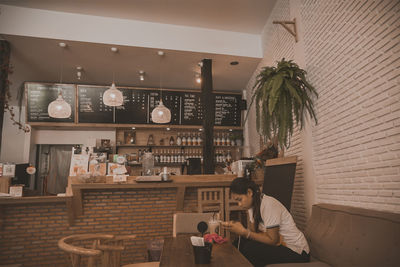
column 59, row 108
column 112, row 96
column 161, row 114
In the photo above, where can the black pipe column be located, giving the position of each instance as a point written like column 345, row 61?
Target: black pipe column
column 208, row 104
column 4, row 69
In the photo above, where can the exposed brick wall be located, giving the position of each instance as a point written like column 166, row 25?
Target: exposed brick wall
column 353, row 59
column 30, row 232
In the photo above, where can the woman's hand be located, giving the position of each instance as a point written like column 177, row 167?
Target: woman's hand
column 235, row 227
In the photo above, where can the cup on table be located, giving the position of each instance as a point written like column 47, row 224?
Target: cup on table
column 213, row 224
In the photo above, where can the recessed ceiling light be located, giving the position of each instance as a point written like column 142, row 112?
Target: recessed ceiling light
column 233, row 63
column 141, row 75
column 198, row 78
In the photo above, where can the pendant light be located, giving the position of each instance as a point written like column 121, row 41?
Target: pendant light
column 161, row 114
column 113, row 97
column 59, row 108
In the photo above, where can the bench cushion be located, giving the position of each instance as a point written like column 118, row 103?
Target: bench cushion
column 351, row 236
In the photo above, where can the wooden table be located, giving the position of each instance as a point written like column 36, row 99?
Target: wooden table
column 178, row 251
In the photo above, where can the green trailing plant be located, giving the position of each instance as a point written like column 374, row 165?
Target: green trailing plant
column 283, row 97
column 5, row 95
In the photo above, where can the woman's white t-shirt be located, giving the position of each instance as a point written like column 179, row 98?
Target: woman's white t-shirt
column 274, row 214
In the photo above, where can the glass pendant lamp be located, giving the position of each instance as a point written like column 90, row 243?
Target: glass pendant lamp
column 161, row 114
column 113, row 97
column 59, row 108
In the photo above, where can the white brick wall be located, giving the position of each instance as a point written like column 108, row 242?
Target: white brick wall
column 352, row 52
column 353, row 59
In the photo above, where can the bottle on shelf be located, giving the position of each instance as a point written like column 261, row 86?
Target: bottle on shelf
column 139, row 156
column 156, row 156
column 172, row 160
column 223, row 140
column 184, row 141
column 189, row 140
column 229, row 157
column 194, row 140
column 215, row 139
column 179, row 139
column 199, row 140
column 168, row 156
column 176, row 156
column 162, row 157
column 218, row 140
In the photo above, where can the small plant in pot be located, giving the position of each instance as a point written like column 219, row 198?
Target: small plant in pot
column 283, row 97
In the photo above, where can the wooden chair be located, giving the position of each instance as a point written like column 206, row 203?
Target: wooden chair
column 211, row 200
column 76, row 252
column 186, row 223
column 104, row 247
column 231, row 205
column 279, row 177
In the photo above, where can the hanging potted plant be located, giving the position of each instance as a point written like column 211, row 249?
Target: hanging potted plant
column 283, row 97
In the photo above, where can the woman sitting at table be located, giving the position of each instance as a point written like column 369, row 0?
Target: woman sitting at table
column 269, row 220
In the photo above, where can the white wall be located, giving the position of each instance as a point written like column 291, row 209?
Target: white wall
column 84, row 137
column 353, row 58
column 351, row 51
column 15, row 143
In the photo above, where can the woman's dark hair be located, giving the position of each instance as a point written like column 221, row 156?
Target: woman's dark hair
column 240, row 186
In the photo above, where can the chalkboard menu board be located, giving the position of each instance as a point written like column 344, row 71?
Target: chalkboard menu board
column 227, row 109
column 91, row 108
column 191, row 109
column 185, row 106
column 39, row 96
column 134, row 110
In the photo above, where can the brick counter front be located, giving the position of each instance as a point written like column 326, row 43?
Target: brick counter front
column 30, row 230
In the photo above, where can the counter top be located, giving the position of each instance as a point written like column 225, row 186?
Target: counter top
column 180, row 182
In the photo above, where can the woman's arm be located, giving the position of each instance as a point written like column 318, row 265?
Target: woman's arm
column 270, row 237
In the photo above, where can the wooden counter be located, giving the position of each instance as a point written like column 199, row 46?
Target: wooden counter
column 181, row 182
column 37, row 200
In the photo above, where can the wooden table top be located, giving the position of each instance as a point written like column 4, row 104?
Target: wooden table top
column 179, row 252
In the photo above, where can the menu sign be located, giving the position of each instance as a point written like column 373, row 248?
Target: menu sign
column 91, row 108
column 39, row 96
column 134, row 109
column 186, row 107
column 192, row 109
column 227, row 109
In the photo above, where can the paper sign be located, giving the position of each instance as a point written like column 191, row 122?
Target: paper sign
column 16, row 191
column 119, row 178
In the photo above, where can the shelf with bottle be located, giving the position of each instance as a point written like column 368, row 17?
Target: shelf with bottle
column 157, row 146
